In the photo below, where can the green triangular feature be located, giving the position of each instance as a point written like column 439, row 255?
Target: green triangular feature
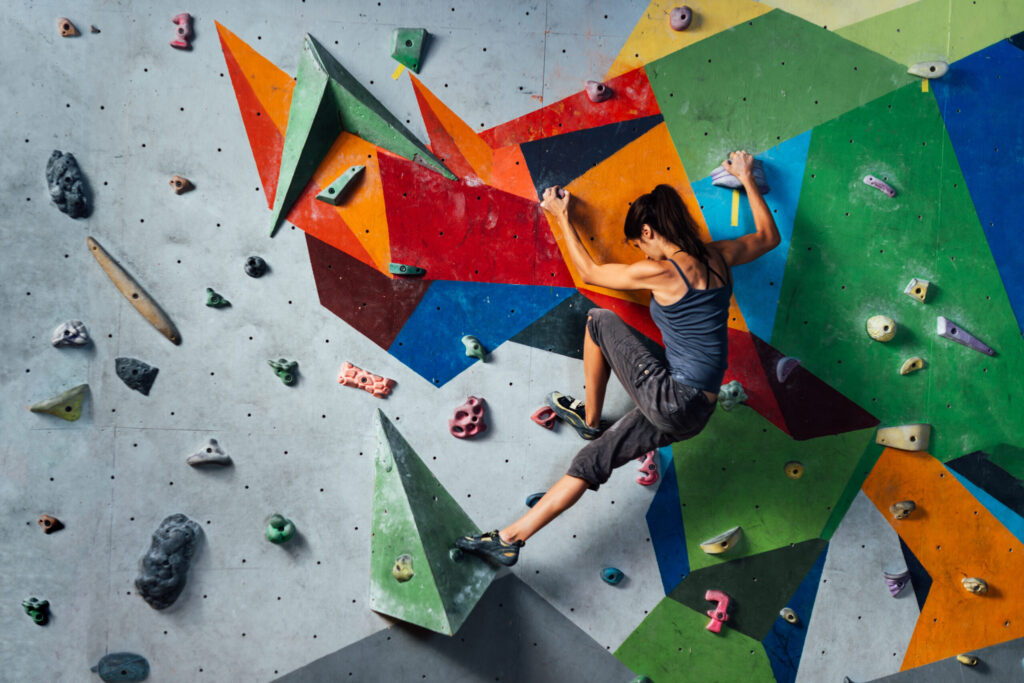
column 414, row 515
column 67, row 405
column 759, row 585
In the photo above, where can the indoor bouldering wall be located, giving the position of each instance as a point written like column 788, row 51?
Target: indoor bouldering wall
column 296, row 243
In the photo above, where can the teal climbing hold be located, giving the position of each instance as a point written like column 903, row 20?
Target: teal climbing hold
column 403, row 269
column 287, row 370
column 335, row 192
column 474, row 349
column 280, row 529
column 215, row 300
column 407, row 47
column 612, row 576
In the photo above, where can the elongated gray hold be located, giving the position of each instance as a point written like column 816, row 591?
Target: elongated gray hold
column 950, row 330
column 210, row 454
column 163, row 570
column 122, row 666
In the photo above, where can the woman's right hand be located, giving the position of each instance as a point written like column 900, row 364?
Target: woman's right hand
column 740, row 164
column 556, row 201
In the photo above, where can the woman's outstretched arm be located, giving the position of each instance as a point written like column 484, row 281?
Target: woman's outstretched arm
column 766, row 236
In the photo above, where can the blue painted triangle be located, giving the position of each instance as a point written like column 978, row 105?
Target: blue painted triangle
column 785, row 643
column 665, row 523
column 560, row 159
column 430, row 341
column 757, row 284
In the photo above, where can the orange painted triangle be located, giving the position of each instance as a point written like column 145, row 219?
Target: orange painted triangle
column 270, row 85
column 442, row 121
column 511, row 173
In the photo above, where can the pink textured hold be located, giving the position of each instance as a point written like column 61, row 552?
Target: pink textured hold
column 720, row 614
column 183, row 33
column 598, row 92
column 545, row 417
column 351, row 376
column 648, row 468
column 469, row 419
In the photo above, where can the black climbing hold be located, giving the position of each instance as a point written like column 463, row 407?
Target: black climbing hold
column 255, row 266
column 163, row 570
column 67, row 185
column 136, row 374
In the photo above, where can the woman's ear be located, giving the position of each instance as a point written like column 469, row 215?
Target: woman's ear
column 646, row 232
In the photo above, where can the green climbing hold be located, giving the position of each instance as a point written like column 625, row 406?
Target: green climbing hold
column 402, row 269
column 67, row 405
column 287, row 370
column 215, row 300
column 474, row 349
column 38, row 609
column 641, row 679
column 407, row 46
column 333, row 193
column 280, row 529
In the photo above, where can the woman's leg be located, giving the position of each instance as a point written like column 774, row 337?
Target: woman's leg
column 557, row 500
column 596, row 371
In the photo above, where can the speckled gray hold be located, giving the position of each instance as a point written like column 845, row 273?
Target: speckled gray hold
column 67, row 186
column 122, row 666
column 255, row 266
column 164, row 567
column 136, row 374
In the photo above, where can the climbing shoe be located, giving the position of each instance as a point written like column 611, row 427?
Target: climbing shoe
column 571, row 410
column 490, row 546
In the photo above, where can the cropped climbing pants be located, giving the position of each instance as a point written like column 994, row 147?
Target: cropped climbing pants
column 666, row 410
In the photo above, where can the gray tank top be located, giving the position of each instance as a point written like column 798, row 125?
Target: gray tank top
column 696, row 334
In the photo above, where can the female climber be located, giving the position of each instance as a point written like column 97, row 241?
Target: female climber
column 675, row 388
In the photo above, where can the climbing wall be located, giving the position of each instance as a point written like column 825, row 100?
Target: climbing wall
column 269, row 105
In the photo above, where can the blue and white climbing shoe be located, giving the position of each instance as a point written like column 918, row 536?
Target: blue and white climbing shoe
column 572, row 411
column 490, row 546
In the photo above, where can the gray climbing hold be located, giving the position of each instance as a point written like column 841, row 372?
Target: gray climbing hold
column 720, row 177
column 122, row 666
column 731, row 394
column 67, row 185
column 136, row 374
column 785, row 366
column 210, row 454
column 929, row 70
column 255, row 266
column 950, row 330
column 163, row 570
column 70, row 333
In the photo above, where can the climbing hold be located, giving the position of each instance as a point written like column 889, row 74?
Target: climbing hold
column 474, row 349
column 210, row 454
column 789, row 615
column 136, row 374
column 722, row 178
column 49, row 523
column 183, row 31
column 902, row 509
column 720, row 612
column 335, row 192
column 879, row 185
column 929, row 69
column 455, row 554
column 402, row 571
column 598, row 92
column 66, row 28
column 974, row 585
column 532, row 499
column 785, row 367
column 67, row 405
column 67, row 185
column 545, row 417
column 911, row 365
column 215, row 300
column 896, row 581
column 680, row 17
column 794, row 469
column 917, row 289
column 280, row 529
column 163, row 570
column 641, row 679
column 285, row 369
column 950, row 330
column 407, row 47
column 93, row 29
column 122, row 666
column 469, row 419
column 351, row 376
column 912, row 437
column 648, row 468
column 731, row 394
column 612, row 576
column 255, row 266
column 136, row 296
column 722, row 542
column 38, row 609
column 402, row 269
column 967, row 660
column 881, row 328
column 70, row 333
column 181, row 185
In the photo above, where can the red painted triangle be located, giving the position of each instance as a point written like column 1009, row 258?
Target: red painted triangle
column 745, row 366
column 633, row 314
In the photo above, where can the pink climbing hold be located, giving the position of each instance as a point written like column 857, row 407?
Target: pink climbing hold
column 545, row 417
column 469, row 419
column 351, row 376
column 598, row 92
column 183, row 33
column 720, row 614
column 648, row 468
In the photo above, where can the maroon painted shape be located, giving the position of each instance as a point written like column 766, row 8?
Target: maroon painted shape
column 465, row 231
column 371, row 302
column 810, row 407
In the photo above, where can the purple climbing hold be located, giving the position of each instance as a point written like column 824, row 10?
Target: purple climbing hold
column 896, row 581
column 680, row 17
column 597, row 92
column 785, row 366
column 879, row 185
column 950, row 330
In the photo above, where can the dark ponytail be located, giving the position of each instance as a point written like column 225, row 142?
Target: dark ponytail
column 664, row 211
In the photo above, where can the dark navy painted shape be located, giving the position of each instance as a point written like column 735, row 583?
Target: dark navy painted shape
column 665, row 524
column 562, row 158
column 785, row 643
column 1017, row 40
column 991, row 478
column 561, row 329
column 920, row 579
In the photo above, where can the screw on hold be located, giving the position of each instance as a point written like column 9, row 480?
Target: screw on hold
column 407, row 47
column 402, row 571
column 210, row 454
column 612, row 576
column 38, row 609
column 881, row 328
column 720, row 612
column 598, row 92
column 912, row 437
column 334, row 193
column 66, row 405
column 936, row 69
column 474, row 349
column 215, row 300
column 406, row 270
column 352, row 376
column 287, row 370
column 280, row 529
column 255, row 266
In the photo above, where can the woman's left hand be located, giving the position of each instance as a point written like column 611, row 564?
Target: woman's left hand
column 556, row 201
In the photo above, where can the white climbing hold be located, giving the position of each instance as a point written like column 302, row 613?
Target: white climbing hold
column 929, row 69
column 917, row 289
column 722, row 542
column 911, row 437
column 911, row 365
column 210, row 454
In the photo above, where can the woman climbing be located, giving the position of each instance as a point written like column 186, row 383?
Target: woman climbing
column 675, row 388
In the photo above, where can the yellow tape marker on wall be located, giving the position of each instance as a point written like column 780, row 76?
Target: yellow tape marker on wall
column 735, row 208
column 398, row 71
column 924, row 85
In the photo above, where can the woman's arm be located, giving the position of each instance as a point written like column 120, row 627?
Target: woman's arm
column 766, row 236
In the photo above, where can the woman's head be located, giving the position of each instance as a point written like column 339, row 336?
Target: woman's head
column 663, row 212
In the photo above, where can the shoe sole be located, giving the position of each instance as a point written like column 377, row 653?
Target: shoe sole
column 582, row 428
column 478, row 550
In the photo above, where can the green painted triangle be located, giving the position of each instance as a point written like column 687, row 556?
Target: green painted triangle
column 67, row 405
column 414, row 515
